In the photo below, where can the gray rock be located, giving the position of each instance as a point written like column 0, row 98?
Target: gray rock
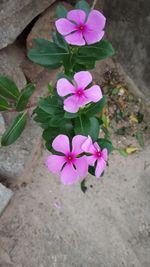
column 2, row 125
column 11, row 59
column 15, row 15
column 5, row 196
column 17, row 159
column 128, row 30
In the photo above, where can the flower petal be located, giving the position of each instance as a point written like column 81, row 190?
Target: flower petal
column 100, row 167
column 69, row 175
column 105, row 154
column 96, row 20
column 91, row 160
column 88, row 146
column 61, row 144
column 77, row 15
column 71, row 104
column 83, row 79
column 94, row 94
column 93, row 36
column 55, row 163
column 64, row 26
column 81, row 166
column 75, row 38
column 77, row 142
column 64, row 87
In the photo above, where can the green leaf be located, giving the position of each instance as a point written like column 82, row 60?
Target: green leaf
column 3, row 104
column 83, row 186
column 140, row 139
column 87, row 126
column 14, row 130
column 96, row 108
column 83, row 5
column 61, row 11
column 140, row 117
column 58, row 121
column 51, row 105
column 91, row 170
column 104, row 143
column 24, row 97
column 121, row 131
column 59, row 40
column 41, row 116
column 68, row 115
column 46, row 54
column 8, row 88
column 96, row 51
column 122, row 152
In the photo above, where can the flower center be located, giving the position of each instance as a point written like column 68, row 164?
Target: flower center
column 70, row 158
column 98, row 154
column 79, row 92
column 81, row 28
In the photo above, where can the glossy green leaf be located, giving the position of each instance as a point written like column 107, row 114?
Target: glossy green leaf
column 96, row 51
column 8, row 88
column 24, row 97
column 51, row 105
column 83, row 5
column 59, row 40
column 104, row 143
column 14, row 130
column 61, row 11
column 68, row 115
column 87, row 126
column 96, row 107
column 46, row 53
column 3, row 104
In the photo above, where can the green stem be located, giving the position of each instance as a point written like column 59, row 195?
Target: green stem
column 81, row 124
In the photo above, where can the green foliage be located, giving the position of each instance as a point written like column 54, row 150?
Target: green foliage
column 95, row 108
column 61, row 11
column 3, row 104
column 14, row 130
column 140, row 139
column 24, row 97
column 47, row 54
column 83, row 5
column 8, row 88
column 104, row 143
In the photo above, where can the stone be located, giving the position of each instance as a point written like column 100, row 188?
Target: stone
column 5, row 196
column 17, row 159
column 128, row 29
column 15, row 15
column 2, row 125
column 11, row 59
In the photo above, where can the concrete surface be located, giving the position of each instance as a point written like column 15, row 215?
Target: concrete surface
column 5, row 196
column 50, row 225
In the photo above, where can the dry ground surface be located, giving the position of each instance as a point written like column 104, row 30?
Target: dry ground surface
column 50, row 225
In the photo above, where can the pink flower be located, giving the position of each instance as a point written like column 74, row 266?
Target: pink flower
column 98, row 156
column 78, row 30
column 69, row 165
column 78, row 96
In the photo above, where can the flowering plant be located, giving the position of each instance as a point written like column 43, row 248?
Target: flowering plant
column 71, row 114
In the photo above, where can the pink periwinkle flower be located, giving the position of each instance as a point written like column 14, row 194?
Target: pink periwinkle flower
column 69, row 165
column 98, row 156
column 78, row 29
column 78, row 95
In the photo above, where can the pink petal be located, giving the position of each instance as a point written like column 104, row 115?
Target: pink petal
column 96, row 20
column 69, row 175
column 88, row 146
column 71, row 104
column 91, row 160
column 93, row 36
column 77, row 142
column 100, row 167
column 83, row 79
column 81, row 166
column 64, row 26
column 105, row 154
column 97, row 147
column 94, row 93
column 75, row 38
column 77, row 15
column 61, row 144
column 64, row 87
column 55, row 163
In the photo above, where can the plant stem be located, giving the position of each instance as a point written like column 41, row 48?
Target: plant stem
column 94, row 4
